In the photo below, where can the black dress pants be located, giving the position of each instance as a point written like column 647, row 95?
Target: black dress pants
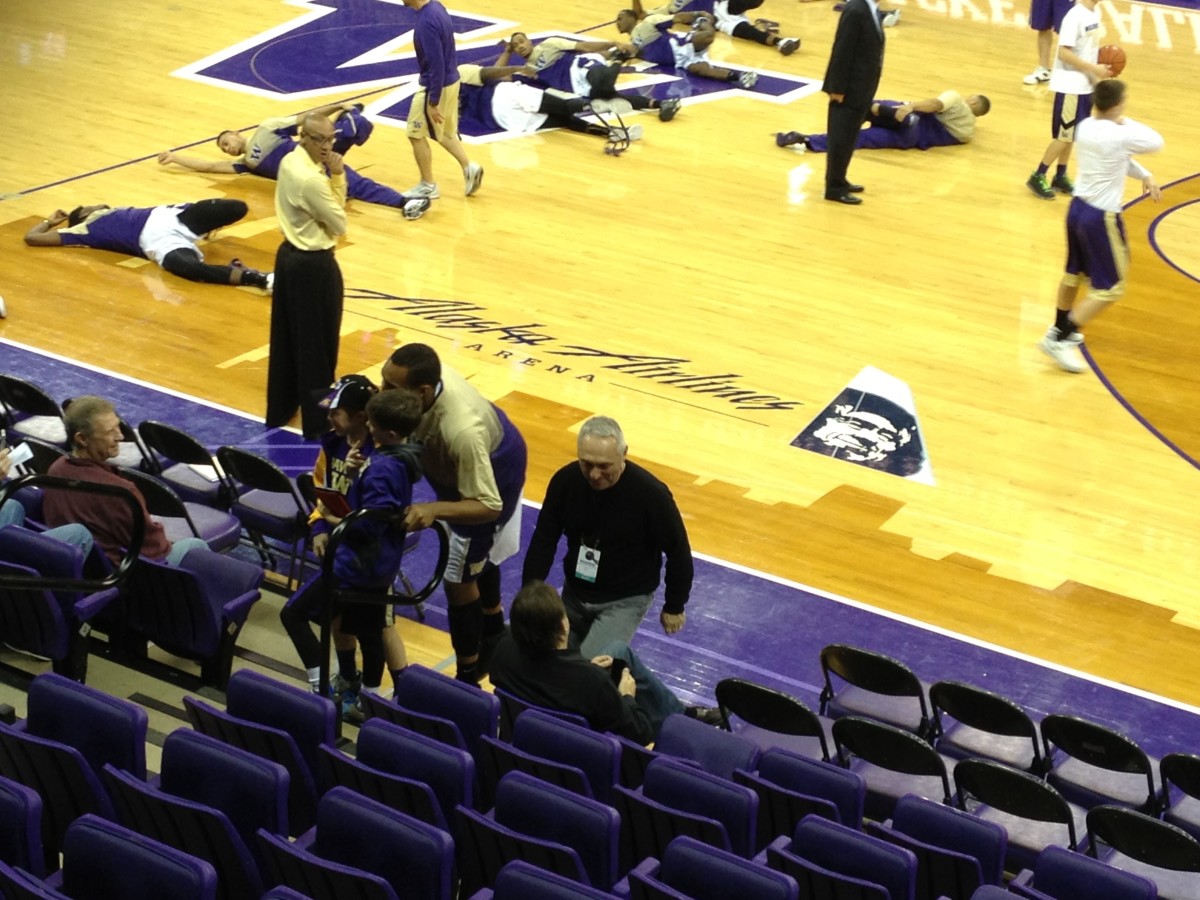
column 842, row 126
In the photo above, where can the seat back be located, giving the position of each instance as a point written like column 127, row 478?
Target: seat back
column 713, row 749
column 190, row 468
column 475, row 712
column 895, row 750
column 413, row 798
column 252, row 792
column 767, row 715
column 103, row 861
column 780, row 810
column 448, row 771
column 435, row 727
column 18, row 884
column 1182, row 770
column 519, row 880
column 684, row 787
column 951, row 829
column 846, row 790
column 635, row 759
column 249, row 471
column 512, row 707
column 497, row 759
column 189, row 827
column 103, row 728
column 1142, row 837
column 310, row 719
column 316, row 878
column 483, row 847
column 22, row 401
column 988, row 712
column 697, row 870
column 1012, row 791
column 557, row 739
column 648, row 826
column 415, row 858
column 21, row 827
column 272, row 744
column 848, row 852
column 541, row 810
column 1104, row 748
column 875, row 674
column 1061, row 873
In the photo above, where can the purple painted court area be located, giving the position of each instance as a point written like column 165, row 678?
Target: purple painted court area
column 739, row 623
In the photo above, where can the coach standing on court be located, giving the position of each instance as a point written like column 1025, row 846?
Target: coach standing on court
column 306, row 309
column 855, row 64
column 619, row 521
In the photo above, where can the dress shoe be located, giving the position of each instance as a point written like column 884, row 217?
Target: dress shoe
column 709, row 715
column 853, row 188
column 848, row 199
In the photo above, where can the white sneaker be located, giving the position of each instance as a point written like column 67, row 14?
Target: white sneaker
column 788, row 46
column 634, row 132
column 618, row 105
column 270, row 288
column 1076, row 337
column 473, row 176
column 425, row 189
column 3, row 309
column 748, row 79
column 1037, row 76
column 416, row 207
column 890, row 18
column 1065, row 353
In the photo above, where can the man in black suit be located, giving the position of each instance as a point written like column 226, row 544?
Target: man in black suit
column 855, row 64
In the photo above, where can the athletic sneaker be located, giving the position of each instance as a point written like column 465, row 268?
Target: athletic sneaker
column 340, row 684
column 473, row 176
column 789, row 138
column 629, row 134
column 3, row 309
column 1039, row 185
column 617, row 105
column 1075, row 337
column 1065, row 353
column 667, row 110
column 415, row 207
column 352, row 710
column 1037, row 76
column 890, row 18
column 748, row 79
column 425, row 189
column 1063, row 185
column 788, row 46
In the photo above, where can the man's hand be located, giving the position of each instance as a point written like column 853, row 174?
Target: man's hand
column 166, row 157
column 1150, row 186
column 604, row 661
column 319, row 543
column 418, row 516
column 335, row 163
column 627, row 687
column 355, row 460
column 56, row 218
column 672, row 623
column 838, row 98
column 435, row 116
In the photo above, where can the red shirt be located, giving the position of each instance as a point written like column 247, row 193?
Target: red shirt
column 109, row 519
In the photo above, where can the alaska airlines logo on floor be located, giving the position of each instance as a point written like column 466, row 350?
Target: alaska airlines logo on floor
column 528, row 345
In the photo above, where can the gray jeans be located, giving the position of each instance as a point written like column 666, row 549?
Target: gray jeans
column 596, row 625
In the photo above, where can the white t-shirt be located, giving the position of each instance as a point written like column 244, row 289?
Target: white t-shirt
column 1081, row 31
column 1103, row 153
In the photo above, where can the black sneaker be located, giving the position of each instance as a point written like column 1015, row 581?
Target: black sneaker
column 709, row 715
column 788, row 138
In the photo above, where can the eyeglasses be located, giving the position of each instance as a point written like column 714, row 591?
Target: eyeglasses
column 316, row 139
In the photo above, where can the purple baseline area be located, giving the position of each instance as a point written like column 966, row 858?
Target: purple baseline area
column 739, row 623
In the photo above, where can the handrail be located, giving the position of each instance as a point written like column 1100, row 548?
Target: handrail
column 9, row 488
column 331, row 592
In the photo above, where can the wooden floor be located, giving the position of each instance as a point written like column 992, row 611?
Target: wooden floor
column 1059, row 524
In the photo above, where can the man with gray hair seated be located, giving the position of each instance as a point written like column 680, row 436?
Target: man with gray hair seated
column 620, row 521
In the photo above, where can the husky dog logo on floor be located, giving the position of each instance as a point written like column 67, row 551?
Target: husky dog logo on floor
column 872, row 423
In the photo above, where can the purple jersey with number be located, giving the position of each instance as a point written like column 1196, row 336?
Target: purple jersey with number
column 117, row 229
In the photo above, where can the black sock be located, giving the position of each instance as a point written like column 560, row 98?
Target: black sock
column 466, row 628
column 1062, row 321
column 1060, row 171
column 1043, row 168
column 347, row 664
column 372, row 653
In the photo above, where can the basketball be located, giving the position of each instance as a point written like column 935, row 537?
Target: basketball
column 1113, row 57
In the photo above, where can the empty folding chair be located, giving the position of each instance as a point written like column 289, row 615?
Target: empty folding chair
column 779, row 809
column 309, row 876
column 688, row 789
column 413, row 798
column 892, row 762
column 772, row 718
column 103, row 861
column 435, row 727
column 497, row 759
column 713, row 749
column 268, row 504
column 448, row 771
column 1102, row 765
column 985, row 725
column 1033, row 813
column 648, row 826
column 195, row 610
column 251, row 791
column 181, row 519
column 554, row 738
column 689, row 868
column 426, row 691
column 192, row 828
column 512, row 706
column 956, row 852
column 875, row 687
column 1063, row 875
column 828, row 859
column 1182, row 771
column 30, row 411
column 48, row 623
column 21, row 827
column 635, row 759
column 1143, row 845
column 310, row 719
column 184, row 463
column 521, row 881
column 846, row 790
column 415, row 858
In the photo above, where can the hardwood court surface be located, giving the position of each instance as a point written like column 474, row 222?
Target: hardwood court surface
column 1059, row 525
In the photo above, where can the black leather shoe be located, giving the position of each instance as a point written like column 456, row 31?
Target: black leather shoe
column 854, row 188
column 709, row 715
column 848, row 199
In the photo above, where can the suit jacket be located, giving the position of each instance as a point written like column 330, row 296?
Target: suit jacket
column 856, row 61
